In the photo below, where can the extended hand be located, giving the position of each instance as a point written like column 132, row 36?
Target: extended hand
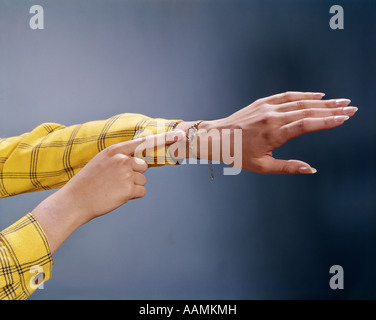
column 268, row 123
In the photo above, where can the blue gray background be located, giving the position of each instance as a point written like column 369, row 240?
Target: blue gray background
column 249, row 236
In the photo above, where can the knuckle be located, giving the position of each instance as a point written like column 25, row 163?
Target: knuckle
column 268, row 118
column 307, row 113
column 268, row 108
column 129, row 189
column 283, row 131
column 111, row 150
column 129, row 175
column 338, row 111
column 302, row 124
column 139, row 193
column 288, row 168
column 259, row 102
column 108, row 151
column 328, row 121
column 127, row 161
column 300, row 104
column 287, row 94
column 117, row 160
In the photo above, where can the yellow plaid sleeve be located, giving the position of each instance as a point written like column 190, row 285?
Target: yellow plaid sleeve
column 25, row 259
column 51, row 154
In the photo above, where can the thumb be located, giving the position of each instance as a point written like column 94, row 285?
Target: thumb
column 276, row 166
column 149, row 142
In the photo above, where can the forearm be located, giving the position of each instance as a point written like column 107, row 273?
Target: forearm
column 59, row 215
column 51, row 154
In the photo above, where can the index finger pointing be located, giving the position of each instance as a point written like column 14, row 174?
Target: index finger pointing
column 149, row 142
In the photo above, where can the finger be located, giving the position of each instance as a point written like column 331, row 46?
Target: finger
column 139, row 179
column 309, row 104
column 276, row 166
column 300, row 127
column 157, row 143
column 293, row 96
column 138, row 192
column 139, row 165
column 291, row 116
column 152, row 141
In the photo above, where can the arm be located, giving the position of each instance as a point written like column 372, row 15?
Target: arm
column 51, row 154
column 109, row 180
column 267, row 124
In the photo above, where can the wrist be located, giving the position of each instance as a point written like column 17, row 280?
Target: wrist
column 58, row 217
column 206, row 144
column 70, row 207
column 218, row 124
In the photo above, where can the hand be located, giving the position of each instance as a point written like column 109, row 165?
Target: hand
column 109, row 180
column 270, row 122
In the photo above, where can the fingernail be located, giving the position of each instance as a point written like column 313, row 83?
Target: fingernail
column 307, row 170
column 139, row 160
column 342, row 102
column 350, row 110
column 341, row 118
column 304, row 170
column 318, row 94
